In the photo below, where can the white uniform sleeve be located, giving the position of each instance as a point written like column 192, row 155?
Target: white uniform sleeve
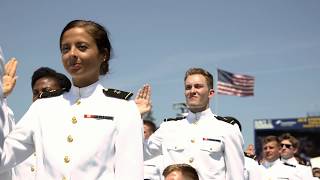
column 233, row 154
column 128, row 150
column 152, row 147
column 18, row 144
column 252, row 169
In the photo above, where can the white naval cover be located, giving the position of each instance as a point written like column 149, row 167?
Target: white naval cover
column 212, row 147
column 100, row 148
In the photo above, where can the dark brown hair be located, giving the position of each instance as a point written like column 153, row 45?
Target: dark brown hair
column 287, row 136
column 99, row 34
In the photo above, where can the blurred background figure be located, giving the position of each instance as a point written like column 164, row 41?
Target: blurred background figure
column 151, row 166
column 46, row 82
column 315, row 164
column 250, row 151
column 180, row 172
column 272, row 168
column 289, row 149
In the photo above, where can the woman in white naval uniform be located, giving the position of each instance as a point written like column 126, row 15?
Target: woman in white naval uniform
column 81, row 134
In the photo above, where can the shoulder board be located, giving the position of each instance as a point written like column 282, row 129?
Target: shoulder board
column 287, row 164
column 53, row 93
column 230, row 121
column 115, row 93
column 174, row 119
column 254, row 157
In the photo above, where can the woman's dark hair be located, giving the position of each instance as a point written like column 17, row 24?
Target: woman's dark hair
column 99, row 34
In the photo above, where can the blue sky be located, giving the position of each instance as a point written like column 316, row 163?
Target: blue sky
column 277, row 42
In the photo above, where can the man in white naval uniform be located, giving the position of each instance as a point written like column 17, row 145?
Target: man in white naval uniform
column 289, row 147
column 212, row 147
column 272, row 168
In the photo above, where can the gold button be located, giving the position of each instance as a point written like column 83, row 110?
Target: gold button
column 32, row 168
column 190, row 160
column 78, row 102
column 64, row 178
column 193, row 141
column 74, row 120
column 70, row 138
column 66, row 159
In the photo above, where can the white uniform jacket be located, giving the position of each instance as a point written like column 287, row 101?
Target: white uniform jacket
column 26, row 170
column 153, row 168
column 211, row 146
column 8, row 125
column 278, row 170
column 81, row 134
column 305, row 172
column 251, row 170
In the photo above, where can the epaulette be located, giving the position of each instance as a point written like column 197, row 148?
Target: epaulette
column 174, row 119
column 52, row 93
column 117, row 93
column 254, row 157
column 230, row 121
column 287, row 164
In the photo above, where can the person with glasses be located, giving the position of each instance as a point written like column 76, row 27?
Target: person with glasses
column 272, row 168
column 289, row 148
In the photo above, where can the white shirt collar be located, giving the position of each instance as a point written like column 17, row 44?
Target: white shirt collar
column 268, row 164
column 194, row 117
column 84, row 92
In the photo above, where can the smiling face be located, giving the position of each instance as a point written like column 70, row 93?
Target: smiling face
column 81, row 57
column 197, row 93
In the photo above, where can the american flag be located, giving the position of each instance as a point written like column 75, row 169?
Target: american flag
column 235, row 84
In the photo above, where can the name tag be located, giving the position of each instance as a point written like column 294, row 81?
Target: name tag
column 99, row 117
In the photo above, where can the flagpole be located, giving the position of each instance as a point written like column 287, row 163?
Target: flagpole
column 216, row 93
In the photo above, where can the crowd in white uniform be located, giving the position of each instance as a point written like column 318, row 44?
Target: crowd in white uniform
column 56, row 129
